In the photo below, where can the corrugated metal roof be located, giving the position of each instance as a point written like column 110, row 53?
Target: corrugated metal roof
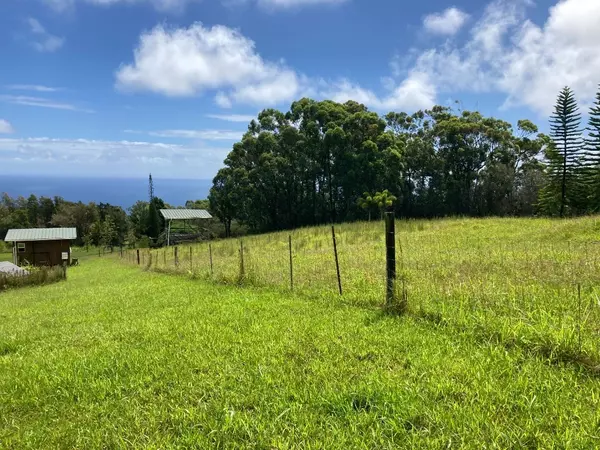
column 41, row 234
column 185, row 214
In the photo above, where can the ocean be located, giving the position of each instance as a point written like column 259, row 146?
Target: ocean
column 122, row 192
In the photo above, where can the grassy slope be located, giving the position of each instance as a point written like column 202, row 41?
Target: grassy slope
column 119, row 357
column 513, row 280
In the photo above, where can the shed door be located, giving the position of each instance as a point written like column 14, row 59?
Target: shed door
column 41, row 259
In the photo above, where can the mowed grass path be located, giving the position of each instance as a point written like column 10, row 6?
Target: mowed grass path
column 116, row 357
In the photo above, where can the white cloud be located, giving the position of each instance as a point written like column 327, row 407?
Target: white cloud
column 60, row 5
column 231, row 117
column 189, row 61
column 448, row 22
column 42, row 40
column 178, row 6
column 413, row 93
column 283, row 4
column 41, row 102
column 509, row 54
column 127, row 158
column 6, row 127
column 32, row 87
column 209, row 135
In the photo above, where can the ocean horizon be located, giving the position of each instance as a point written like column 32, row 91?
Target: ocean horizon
column 122, row 192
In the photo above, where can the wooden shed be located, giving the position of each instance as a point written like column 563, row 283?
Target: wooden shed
column 41, row 246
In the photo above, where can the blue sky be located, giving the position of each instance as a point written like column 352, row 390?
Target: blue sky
column 127, row 87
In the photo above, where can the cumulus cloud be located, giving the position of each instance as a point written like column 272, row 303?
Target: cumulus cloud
column 6, row 127
column 411, row 94
column 188, row 61
column 528, row 63
column 43, row 41
column 448, row 22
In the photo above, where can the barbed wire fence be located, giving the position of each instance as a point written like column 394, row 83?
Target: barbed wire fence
column 546, row 297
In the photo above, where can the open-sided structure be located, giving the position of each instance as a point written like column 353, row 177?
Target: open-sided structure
column 41, row 246
column 190, row 223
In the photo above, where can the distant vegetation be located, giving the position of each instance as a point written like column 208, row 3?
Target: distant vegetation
column 321, row 161
column 98, row 224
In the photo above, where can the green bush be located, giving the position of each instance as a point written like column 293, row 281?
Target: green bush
column 33, row 276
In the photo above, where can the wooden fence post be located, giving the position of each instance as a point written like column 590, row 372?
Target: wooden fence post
column 191, row 260
column 176, row 256
column 210, row 257
column 337, row 263
column 390, row 257
column 291, row 264
column 138, row 256
column 242, row 271
column 165, row 257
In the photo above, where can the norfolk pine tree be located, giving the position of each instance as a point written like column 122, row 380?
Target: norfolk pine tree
column 565, row 157
column 592, row 156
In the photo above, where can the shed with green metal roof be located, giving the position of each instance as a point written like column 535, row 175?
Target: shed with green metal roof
column 41, row 246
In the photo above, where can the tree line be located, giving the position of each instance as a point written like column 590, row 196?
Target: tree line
column 323, row 161
column 97, row 224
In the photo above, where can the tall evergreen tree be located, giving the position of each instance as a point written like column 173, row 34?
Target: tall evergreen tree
column 153, row 227
column 592, row 156
column 150, row 188
column 563, row 165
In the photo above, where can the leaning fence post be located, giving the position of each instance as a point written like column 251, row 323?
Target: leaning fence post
column 390, row 257
column 291, row 264
column 210, row 257
column 138, row 256
column 337, row 263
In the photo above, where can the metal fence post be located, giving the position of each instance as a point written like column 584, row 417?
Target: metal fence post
column 390, row 257
column 337, row 263
column 291, row 264
column 242, row 271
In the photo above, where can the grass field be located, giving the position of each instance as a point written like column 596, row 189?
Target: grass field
column 531, row 283
column 118, row 357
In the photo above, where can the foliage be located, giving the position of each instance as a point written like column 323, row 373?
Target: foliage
column 314, row 163
column 35, row 276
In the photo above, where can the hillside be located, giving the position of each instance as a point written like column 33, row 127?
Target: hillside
column 119, row 357
column 511, row 280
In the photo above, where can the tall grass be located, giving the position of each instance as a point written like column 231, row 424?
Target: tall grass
column 32, row 276
column 510, row 280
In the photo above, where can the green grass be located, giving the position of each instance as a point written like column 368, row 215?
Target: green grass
column 514, row 281
column 119, row 357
